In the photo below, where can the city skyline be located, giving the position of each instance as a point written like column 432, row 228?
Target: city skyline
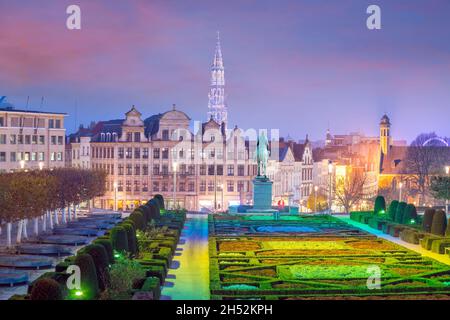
column 155, row 55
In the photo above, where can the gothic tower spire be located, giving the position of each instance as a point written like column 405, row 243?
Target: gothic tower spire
column 385, row 135
column 217, row 109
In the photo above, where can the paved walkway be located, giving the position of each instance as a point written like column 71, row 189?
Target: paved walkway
column 190, row 281
column 415, row 247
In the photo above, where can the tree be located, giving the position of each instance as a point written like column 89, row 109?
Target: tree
column 349, row 190
column 317, row 202
column 422, row 161
column 440, row 187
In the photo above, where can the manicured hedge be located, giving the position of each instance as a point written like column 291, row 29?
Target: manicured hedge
column 409, row 214
column 400, row 211
column 101, row 262
column 131, row 237
column 380, row 205
column 428, row 219
column 439, row 224
column 89, row 277
column 160, row 200
column 119, row 239
column 139, row 221
column 107, row 244
column 393, row 209
column 46, row 289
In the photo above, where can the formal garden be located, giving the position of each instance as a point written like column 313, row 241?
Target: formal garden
column 314, row 257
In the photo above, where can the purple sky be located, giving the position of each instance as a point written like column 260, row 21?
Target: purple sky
column 294, row 65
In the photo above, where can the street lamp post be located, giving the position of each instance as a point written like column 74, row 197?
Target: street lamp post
column 330, row 171
column 115, row 195
column 400, row 185
column 222, row 205
column 315, row 198
column 447, row 172
column 174, row 184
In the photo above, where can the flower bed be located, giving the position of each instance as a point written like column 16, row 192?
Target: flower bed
column 328, row 264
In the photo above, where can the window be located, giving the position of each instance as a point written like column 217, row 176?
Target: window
column 210, row 186
column 129, row 137
column 165, row 135
column 41, row 139
column 137, row 137
column 137, row 170
column 2, row 122
column 145, row 153
column 34, row 139
column 183, row 169
column 57, row 123
column 145, row 186
column 203, row 169
column 59, row 156
column 53, row 140
column 27, row 156
column 156, row 153
column 182, row 187
column 27, row 139
column 230, row 186
column 165, row 153
column 136, row 185
column 60, row 140
column 129, row 170
column 155, row 186
column 240, row 186
column 230, row 170
column 191, row 186
column 220, row 170
column 164, row 186
column 41, row 156
column 33, row 156
column 15, row 122
column 191, row 170
column 128, row 186
column 2, row 156
column 20, row 139
column 12, row 157
column 51, row 123
column 211, row 170
column 120, row 168
column 129, row 153
column 241, row 170
column 121, row 153
column 145, row 170
column 13, row 139
column 137, row 153
column 2, row 138
column 165, row 169
column 156, row 169
column 202, row 186
column 120, row 186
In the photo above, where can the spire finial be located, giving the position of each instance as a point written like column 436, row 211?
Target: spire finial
column 174, row 107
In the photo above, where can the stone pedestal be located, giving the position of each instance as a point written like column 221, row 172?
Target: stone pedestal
column 262, row 195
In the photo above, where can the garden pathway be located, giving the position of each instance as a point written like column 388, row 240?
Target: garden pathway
column 415, row 247
column 189, row 280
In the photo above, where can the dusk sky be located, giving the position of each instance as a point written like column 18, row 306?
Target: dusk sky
column 293, row 65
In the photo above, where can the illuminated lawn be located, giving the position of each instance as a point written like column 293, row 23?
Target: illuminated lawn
column 314, row 257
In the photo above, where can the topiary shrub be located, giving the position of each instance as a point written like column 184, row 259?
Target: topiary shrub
column 101, row 261
column 160, row 199
column 400, row 211
column 106, row 243
column 380, row 205
column 131, row 237
column 147, row 214
column 428, row 219
column 154, row 211
column 119, row 239
column 89, row 278
column 138, row 219
column 439, row 223
column 393, row 209
column 409, row 214
column 447, row 231
column 46, row 289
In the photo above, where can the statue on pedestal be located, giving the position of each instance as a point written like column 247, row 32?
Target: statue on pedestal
column 262, row 154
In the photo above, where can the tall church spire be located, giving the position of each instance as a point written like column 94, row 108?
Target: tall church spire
column 217, row 109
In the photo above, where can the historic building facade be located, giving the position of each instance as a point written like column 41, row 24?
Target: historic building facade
column 143, row 157
column 31, row 139
column 292, row 173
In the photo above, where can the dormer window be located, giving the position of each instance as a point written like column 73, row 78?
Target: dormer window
column 137, row 137
column 165, row 135
column 129, row 137
column 102, row 137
